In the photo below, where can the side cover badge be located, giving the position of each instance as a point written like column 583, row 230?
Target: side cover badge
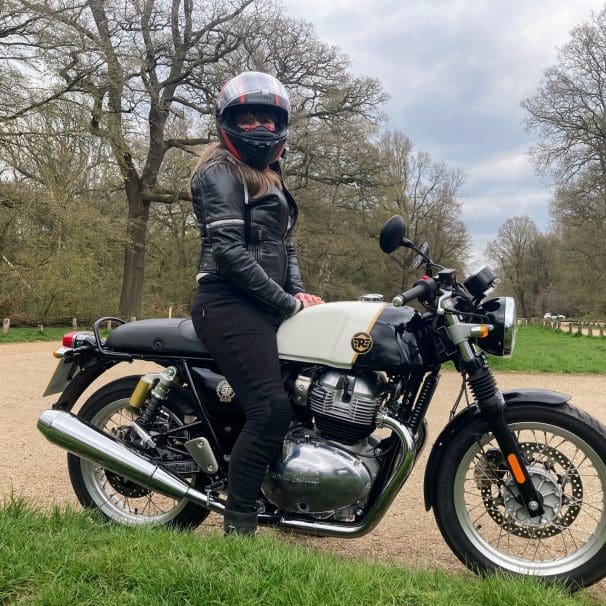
column 361, row 342
column 225, row 392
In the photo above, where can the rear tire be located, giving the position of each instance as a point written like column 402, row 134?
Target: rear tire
column 488, row 529
column 116, row 498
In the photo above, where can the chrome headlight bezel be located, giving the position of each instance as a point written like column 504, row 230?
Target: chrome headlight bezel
column 501, row 313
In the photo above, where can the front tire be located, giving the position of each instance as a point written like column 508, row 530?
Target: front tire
column 117, row 498
column 485, row 525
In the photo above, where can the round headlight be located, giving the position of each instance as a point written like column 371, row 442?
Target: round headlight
column 501, row 313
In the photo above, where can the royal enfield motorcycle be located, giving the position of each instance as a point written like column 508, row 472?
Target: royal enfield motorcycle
column 516, row 479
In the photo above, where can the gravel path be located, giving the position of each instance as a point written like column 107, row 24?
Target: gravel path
column 35, row 469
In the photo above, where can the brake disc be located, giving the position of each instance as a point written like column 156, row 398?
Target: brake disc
column 506, row 508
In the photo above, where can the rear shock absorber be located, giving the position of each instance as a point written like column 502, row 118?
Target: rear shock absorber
column 157, row 397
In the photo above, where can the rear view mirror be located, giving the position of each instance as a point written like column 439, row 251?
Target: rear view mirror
column 392, row 234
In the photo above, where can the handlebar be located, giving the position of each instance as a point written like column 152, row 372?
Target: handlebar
column 421, row 289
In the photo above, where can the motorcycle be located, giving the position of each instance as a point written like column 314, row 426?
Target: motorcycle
column 516, row 479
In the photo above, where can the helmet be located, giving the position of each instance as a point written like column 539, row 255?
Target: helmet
column 257, row 92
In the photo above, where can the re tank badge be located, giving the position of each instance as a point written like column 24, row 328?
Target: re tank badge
column 361, row 342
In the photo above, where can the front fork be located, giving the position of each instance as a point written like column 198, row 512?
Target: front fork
column 492, row 406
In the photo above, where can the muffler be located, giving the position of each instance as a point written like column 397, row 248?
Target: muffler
column 79, row 437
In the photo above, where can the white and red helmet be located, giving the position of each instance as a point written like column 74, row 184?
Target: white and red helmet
column 259, row 93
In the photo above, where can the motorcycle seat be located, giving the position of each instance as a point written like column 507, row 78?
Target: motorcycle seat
column 158, row 336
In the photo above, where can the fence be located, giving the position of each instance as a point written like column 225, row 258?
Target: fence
column 595, row 328
column 75, row 322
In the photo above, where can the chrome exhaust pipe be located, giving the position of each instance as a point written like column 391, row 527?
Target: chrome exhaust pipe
column 82, row 439
column 72, row 433
column 381, row 503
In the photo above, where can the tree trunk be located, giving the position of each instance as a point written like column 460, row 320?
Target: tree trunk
column 134, row 251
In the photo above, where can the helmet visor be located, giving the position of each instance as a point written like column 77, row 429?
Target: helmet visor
column 253, row 88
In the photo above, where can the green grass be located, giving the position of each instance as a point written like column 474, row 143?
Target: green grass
column 540, row 349
column 27, row 335
column 66, row 558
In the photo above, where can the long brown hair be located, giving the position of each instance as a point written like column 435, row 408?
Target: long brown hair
column 257, row 181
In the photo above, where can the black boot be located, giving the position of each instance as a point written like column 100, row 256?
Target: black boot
column 236, row 522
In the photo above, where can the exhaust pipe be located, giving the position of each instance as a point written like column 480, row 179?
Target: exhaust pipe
column 82, row 439
column 72, row 433
column 381, row 503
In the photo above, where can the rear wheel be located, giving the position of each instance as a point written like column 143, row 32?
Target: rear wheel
column 480, row 515
column 116, row 497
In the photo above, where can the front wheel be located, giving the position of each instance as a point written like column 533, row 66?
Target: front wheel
column 483, row 521
column 118, row 498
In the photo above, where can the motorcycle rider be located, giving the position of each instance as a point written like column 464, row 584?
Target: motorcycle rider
column 249, row 279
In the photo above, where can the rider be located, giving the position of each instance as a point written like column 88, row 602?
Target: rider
column 249, row 279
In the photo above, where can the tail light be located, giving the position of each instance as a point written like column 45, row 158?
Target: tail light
column 75, row 338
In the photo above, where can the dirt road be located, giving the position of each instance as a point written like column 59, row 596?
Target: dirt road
column 33, row 468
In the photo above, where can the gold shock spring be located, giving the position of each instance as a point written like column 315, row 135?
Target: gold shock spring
column 142, row 390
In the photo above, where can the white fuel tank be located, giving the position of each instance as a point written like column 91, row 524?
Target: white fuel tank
column 332, row 333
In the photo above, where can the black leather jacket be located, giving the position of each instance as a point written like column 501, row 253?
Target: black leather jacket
column 247, row 241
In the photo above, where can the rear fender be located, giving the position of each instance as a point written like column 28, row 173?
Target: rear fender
column 513, row 397
column 89, row 371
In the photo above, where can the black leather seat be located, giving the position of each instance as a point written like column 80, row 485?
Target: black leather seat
column 159, row 336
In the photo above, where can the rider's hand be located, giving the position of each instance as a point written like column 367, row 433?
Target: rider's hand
column 308, row 300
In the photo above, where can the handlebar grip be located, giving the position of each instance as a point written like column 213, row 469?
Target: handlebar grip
column 421, row 288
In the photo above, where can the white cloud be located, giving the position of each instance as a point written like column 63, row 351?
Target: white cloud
column 510, row 166
column 506, row 204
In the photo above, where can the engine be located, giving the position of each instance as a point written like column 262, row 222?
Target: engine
column 345, row 405
column 329, row 471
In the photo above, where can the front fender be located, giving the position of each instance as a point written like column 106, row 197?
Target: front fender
column 513, row 397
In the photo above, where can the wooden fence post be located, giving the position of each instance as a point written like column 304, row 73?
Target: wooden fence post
column 40, row 328
column 75, row 323
column 6, row 324
column 133, row 319
column 570, row 327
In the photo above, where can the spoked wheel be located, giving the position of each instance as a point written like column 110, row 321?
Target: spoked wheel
column 118, row 498
column 480, row 515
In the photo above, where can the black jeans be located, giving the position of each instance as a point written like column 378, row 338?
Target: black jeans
column 241, row 336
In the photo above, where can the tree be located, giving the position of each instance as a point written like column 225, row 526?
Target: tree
column 146, row 68
column 425, row 193
column 569, row 110
column 521, row 256
column 579, row 214
column 60, row 222
column 568, row 114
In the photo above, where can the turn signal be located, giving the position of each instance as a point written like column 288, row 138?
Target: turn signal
column 481, row 330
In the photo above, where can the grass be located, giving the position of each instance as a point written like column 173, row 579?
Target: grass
column 66, row 558
column 540, row 349
column 28, row 335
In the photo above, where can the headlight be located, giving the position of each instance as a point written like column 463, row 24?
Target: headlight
column 501, row 313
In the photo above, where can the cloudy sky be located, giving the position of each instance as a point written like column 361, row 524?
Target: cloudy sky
column 456, row 72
